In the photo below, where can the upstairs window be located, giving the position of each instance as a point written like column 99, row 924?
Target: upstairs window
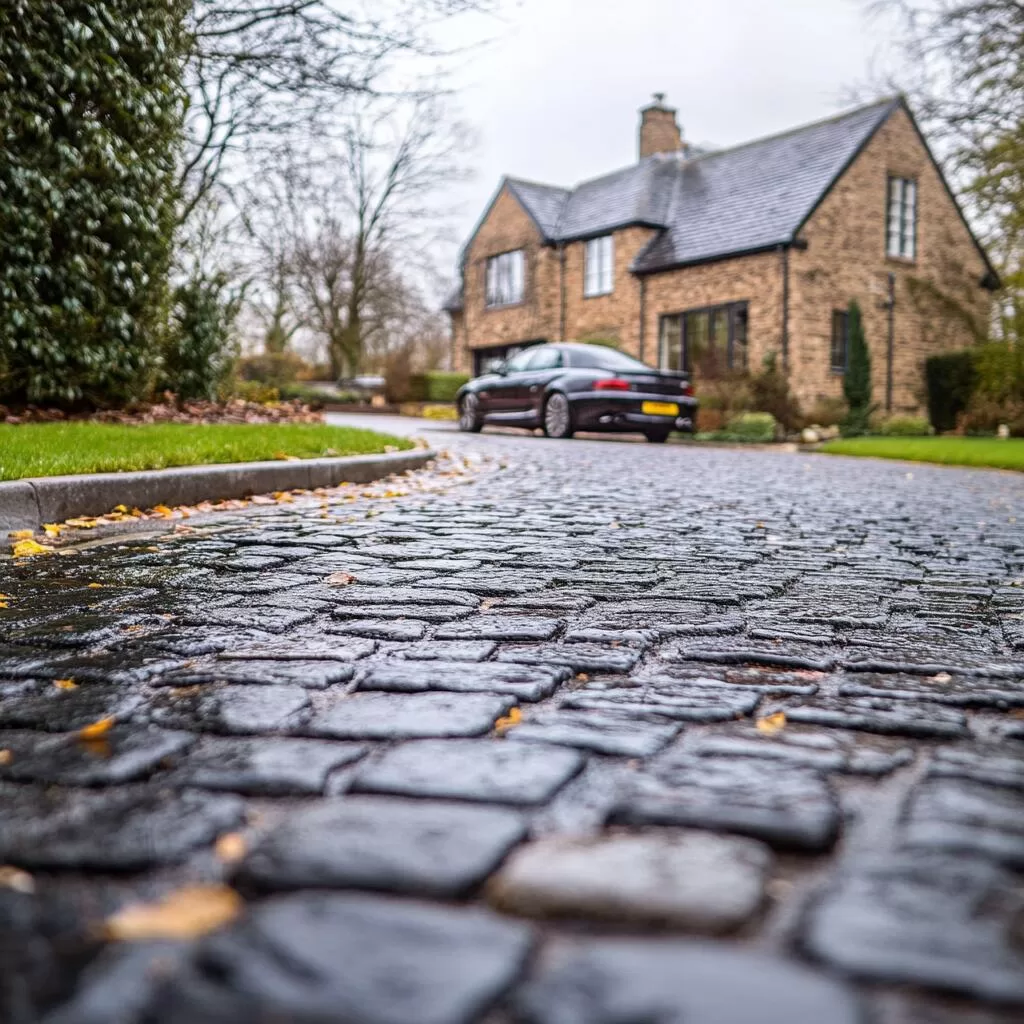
column 599, row 278
column 902, row 219
column 840, row 340
column 505, row 279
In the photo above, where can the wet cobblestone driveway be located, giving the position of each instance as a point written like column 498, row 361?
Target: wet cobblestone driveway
column 616, row 733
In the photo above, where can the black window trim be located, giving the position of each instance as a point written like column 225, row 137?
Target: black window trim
column 730, row 308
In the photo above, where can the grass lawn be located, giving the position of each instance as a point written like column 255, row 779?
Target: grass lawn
column 53, row 449
column 950, row 451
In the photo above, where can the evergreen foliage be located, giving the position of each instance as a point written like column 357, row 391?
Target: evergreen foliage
column 857, row 380
column 91, row 109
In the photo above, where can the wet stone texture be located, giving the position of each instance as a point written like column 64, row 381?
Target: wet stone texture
column 553, row 733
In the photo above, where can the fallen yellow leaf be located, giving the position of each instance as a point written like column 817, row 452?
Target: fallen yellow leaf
column 509, row 721
column 30, row 548
column 772, row 724
column 6, row 757
column 95, row 586
column 340, row 579
column 230, row 847
column 65, row 684
column 163, row 510
column 20, row 535
column 121, row 508
column 186, row 913
column 96, row 729
column 82, row 522
column 282, row 496
column 53, row 529
column 4, row 604
column 16, row 879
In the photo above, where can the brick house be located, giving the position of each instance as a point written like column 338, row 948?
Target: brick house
column 711, row 260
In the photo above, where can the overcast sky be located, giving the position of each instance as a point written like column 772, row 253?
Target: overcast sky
column 554, row 96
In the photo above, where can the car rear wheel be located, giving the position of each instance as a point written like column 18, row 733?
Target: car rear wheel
column 470, row 419
column 659, row 436
column 558, row 416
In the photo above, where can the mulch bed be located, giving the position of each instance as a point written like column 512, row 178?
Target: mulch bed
column 170, row 410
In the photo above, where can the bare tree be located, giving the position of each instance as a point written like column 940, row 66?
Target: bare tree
column 962, row 62
column 262, row 69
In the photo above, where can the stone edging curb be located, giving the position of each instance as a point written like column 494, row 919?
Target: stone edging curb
column 27, row 504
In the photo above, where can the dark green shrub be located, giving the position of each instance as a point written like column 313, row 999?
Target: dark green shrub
column 442, row 386
column 950, row 379
column 91, row 108
column 200, row 348
column 857, row 379
column 275, row 368
column 905, row 426
column 769, row 392
column 752, row 426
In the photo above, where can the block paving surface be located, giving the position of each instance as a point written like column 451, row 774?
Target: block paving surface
column 551, row 733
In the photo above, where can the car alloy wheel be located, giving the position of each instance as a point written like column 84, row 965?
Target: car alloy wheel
column 558, row 416
column 469, row 414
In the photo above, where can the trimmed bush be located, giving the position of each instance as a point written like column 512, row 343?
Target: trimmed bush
column 435, row 386
column 769, row 392
column 91, row 108
column 905, row 426
column 274, row 368
column 950, row 379
column 752, row 426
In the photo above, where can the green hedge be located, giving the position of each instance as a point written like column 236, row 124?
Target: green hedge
column 91, row 107
column 951, row 379
column 905, row 426
column 435, row 386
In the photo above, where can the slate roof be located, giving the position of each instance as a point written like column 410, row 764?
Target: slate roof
column 712, row 204
column 708, row 204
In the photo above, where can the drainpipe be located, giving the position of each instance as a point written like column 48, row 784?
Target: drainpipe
column 784, row 250
column 643, row 315
column 891, row 306
column 561, row 291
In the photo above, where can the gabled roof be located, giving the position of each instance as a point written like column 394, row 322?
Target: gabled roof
column 760, row 194
column 712, row 205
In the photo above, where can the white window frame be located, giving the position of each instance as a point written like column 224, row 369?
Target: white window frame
column 901, row 219
column 599, row 270
column 505, row 279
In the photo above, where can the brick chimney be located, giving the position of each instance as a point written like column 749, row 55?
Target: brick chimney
column 659, row 131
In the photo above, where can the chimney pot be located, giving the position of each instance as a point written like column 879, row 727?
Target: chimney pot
column 659, row 130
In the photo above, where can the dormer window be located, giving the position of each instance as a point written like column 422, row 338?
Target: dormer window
column 505, row 279
column 599, row 276
column 902, row 219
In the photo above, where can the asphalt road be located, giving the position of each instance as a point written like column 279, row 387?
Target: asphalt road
column 563, row 732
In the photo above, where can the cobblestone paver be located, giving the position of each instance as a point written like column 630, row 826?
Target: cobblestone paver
column 587, row 733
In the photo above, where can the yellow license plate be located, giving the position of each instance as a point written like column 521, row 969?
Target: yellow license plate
column 659, row 409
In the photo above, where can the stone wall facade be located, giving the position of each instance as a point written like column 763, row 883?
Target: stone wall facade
column 940, row 303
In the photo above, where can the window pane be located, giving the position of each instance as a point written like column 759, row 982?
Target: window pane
column 738, row 349
column 696, row 344
column 519, row 361
column 670, row 348
column 517, row 261
column 544, row 357
column 839, row 341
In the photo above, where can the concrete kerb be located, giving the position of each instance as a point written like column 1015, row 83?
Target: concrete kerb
column 27, row 504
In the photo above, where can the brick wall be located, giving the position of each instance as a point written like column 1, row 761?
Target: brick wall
column 845, row 259
column 756, row 279
column 606, row 316
column 508, row 227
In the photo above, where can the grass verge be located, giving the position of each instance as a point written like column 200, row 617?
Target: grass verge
column 55, row 449
column 992, row 452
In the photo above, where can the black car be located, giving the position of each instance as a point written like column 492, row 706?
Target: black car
column 567, row 387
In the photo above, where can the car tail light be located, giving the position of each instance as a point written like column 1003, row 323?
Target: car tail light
column 686, row 387
column 612, row 384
